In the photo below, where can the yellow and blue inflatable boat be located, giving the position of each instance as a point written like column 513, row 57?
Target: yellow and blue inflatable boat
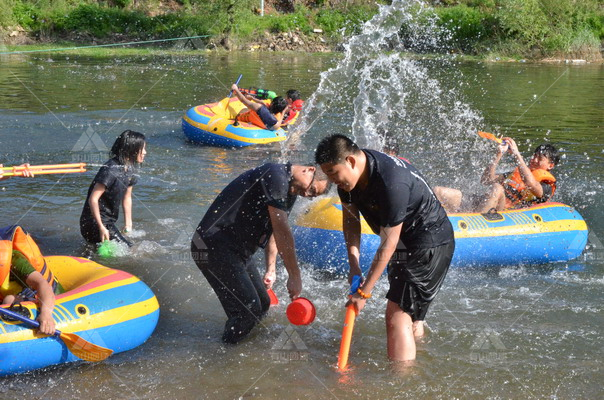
column 213, row 124
column 545, row 233
column 107, row 307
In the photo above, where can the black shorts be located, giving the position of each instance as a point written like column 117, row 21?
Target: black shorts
column 416, row 276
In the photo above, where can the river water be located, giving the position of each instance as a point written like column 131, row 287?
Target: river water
column 515, row 331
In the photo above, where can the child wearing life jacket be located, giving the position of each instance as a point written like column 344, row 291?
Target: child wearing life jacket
column 27, row 277
column 295, row 104
column 111, row 187
column 258, row 113
column 525, row 186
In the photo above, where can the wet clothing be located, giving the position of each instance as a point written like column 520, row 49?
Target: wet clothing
column 518, row 195
column 116, row 179
column 239, row 287
column 416, row 277
column 262, row 118
column 239, row 214
column 398, row 193
column 234, row 227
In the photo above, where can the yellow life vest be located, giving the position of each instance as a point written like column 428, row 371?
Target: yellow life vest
column 516, row 192
column 15, row 238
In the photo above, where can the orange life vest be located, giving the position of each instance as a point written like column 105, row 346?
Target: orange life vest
column 516, row 192
column 15, row 238
column 252, row 117
column 295, row 108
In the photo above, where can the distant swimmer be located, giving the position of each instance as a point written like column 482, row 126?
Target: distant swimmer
column 252, row 212
column 416, row 236
column 525, row 186
column 111, row 187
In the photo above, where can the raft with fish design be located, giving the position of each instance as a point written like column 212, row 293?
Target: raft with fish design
column 104, row 306
column 544, row 233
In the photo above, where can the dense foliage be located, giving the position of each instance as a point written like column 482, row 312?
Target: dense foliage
column 523, row 28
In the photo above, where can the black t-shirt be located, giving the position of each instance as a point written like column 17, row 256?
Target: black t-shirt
column 240, row 215
column 116, row 179
column 396, row 193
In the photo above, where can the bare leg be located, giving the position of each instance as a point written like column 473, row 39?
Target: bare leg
column 399, row 332
column 495, row 199
column 10, row 299
column 450, row 198
column 418, row 329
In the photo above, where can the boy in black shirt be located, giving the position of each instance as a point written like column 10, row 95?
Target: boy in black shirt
column 416, row 236
column 251, row 212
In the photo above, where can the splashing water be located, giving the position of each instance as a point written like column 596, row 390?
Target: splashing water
column 396, row 103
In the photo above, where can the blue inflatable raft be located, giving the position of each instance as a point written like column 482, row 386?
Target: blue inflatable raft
column 545, row 233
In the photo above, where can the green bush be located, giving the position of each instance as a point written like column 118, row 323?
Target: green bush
column 467, row 26
column 348, row 22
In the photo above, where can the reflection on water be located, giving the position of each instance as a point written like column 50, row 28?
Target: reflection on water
column 498, row 332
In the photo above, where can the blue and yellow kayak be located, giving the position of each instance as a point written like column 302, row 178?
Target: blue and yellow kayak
column 107, row 307
column 545, row 233
column 213, row 125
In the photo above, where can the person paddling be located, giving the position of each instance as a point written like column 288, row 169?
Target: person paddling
column 258, row 113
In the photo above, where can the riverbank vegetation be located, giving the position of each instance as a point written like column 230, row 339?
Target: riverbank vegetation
column 533, row 29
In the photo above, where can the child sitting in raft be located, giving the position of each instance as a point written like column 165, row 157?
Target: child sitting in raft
column 258, row 113
column 294, row 103
column 523, row 187
column 24, row 282
column 111, row 186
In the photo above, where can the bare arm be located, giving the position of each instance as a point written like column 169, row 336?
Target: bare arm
column 286, row 248
column 249, row 104
column 351, row 226
column 389, row 237
column 127, row 204
column 270, row 257
column 46, row 297
column 489, row 175
column 527, row 176
column 280, row 120
column 96, row 194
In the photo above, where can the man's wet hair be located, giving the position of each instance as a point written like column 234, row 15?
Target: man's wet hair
column 293, row 94
column 549, row 151
column 277, row 105
column 334, row 149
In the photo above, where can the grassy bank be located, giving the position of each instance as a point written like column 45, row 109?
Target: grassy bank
column 533, row 29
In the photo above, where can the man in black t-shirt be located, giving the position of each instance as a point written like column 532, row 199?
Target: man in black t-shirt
column 417, row 241
column 251, row 212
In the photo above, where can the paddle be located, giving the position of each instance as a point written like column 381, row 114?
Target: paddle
column 489, row 136
column 77, row 345
column 45, row 169
column 348, row 326
column 224, row 103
